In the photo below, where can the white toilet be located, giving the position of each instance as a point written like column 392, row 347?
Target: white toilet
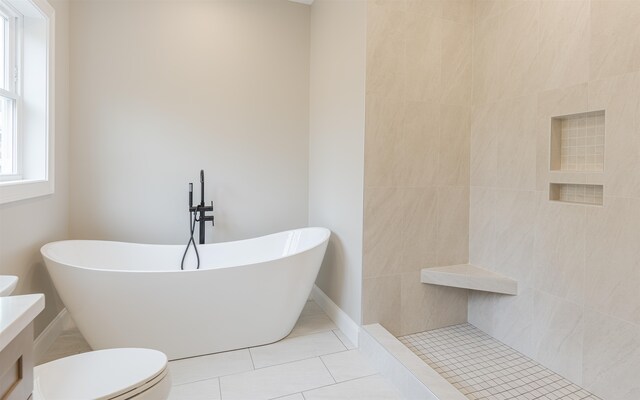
column 113, row 374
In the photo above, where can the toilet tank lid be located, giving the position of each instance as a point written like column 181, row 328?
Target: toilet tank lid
column 101, row 374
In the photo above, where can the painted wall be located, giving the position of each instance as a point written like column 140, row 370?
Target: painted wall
column 161, row 90
column 336, row 144
column 578, row 266
column 416, row 195
column 27, row 225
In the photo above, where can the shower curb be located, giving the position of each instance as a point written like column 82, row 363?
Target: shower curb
column 393, row 360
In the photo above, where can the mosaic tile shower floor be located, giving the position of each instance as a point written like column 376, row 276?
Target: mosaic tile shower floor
column 481, row 367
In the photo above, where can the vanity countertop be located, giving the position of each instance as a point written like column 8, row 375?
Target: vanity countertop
column 16, row 313
column 7, row 284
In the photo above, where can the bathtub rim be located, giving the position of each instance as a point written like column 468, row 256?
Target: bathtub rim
column 324, row 237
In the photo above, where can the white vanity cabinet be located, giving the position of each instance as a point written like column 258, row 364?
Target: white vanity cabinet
column 16, row 343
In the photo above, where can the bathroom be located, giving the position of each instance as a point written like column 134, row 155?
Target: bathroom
column 424, row 134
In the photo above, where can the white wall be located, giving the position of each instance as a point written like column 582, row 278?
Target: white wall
column 161, row 90
column 336, row 144
column 27, row 225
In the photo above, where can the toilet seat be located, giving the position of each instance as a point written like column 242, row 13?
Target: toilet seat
column 112, row 374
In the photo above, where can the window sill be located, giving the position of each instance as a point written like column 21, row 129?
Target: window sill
column 25, row 189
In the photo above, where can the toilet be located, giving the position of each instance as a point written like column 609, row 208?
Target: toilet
column 112, row 374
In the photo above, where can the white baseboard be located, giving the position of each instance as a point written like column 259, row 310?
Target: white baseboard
column 348, row 326
column 49, row 335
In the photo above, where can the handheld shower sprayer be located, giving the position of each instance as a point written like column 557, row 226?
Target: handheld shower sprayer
column 197, row 213
column 201, row 188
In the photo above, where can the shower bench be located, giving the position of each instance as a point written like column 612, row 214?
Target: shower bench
column 468, row 276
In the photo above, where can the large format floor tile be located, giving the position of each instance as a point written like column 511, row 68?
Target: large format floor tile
column 211, row 366
column 347, row 365
column 202, row 390
column 316, row 358
column 369, row 388
column 309, row 324
column 297, row 396
column 344, row 339
column 296, row 348
column 276, row 381
column 67, row 344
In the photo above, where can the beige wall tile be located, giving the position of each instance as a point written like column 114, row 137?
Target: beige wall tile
column 505, row 53
column 489, row 8
column 423, row 62
column 458, row 10
column 419, row 228
column 426, row 307
column 513, row 320
column 543, row 154
column 480, row 310
column 418, row 164
column 453, row 225
column 454, row 146
column 456, row 55
column 559, row 249
column 484, row 145
column 382, row 241
column 563, row 58
column 615, row 37
column 487, row 62
column 413, row 142
column 516, row 154
column 520, row 49
column 384, row 122
column 613, row 258
column 482, row 227
column 553, row 103
column 385, row 48
column 611, row 357
column 381, row 302
column 533, row 60
column 515, row 218
column 427, row 9
column 558, row 331
column 563, row 101
column 620, row 98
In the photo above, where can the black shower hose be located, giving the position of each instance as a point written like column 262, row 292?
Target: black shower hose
column 192, row 228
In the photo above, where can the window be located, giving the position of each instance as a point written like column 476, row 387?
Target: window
column 10, row 32
column 26, row 99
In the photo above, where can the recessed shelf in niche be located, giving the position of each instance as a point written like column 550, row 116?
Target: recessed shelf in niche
column 577, row 193
column 577, row 142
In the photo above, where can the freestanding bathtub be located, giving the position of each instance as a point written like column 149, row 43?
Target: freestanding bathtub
column 246, row 293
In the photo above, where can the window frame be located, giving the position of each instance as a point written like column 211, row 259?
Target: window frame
column 20, row 186
column 13, row 75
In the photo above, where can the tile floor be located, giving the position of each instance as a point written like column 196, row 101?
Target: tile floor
column 483, row 368
column 315, row 362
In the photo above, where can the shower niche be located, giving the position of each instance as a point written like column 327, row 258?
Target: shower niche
column 577, row 142
column 577, row 156
column 577, row 193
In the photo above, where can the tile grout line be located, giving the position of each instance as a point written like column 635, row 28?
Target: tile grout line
column 327, row 368
column 341, row 341
column 337, row 383
column 301, row 359
column 268, row 366
column 253, row 364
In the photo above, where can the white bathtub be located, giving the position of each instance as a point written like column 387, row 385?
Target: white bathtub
column 247, row 293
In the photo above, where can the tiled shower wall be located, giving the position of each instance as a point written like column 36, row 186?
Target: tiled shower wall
column 578, row 266
column 418, row 116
